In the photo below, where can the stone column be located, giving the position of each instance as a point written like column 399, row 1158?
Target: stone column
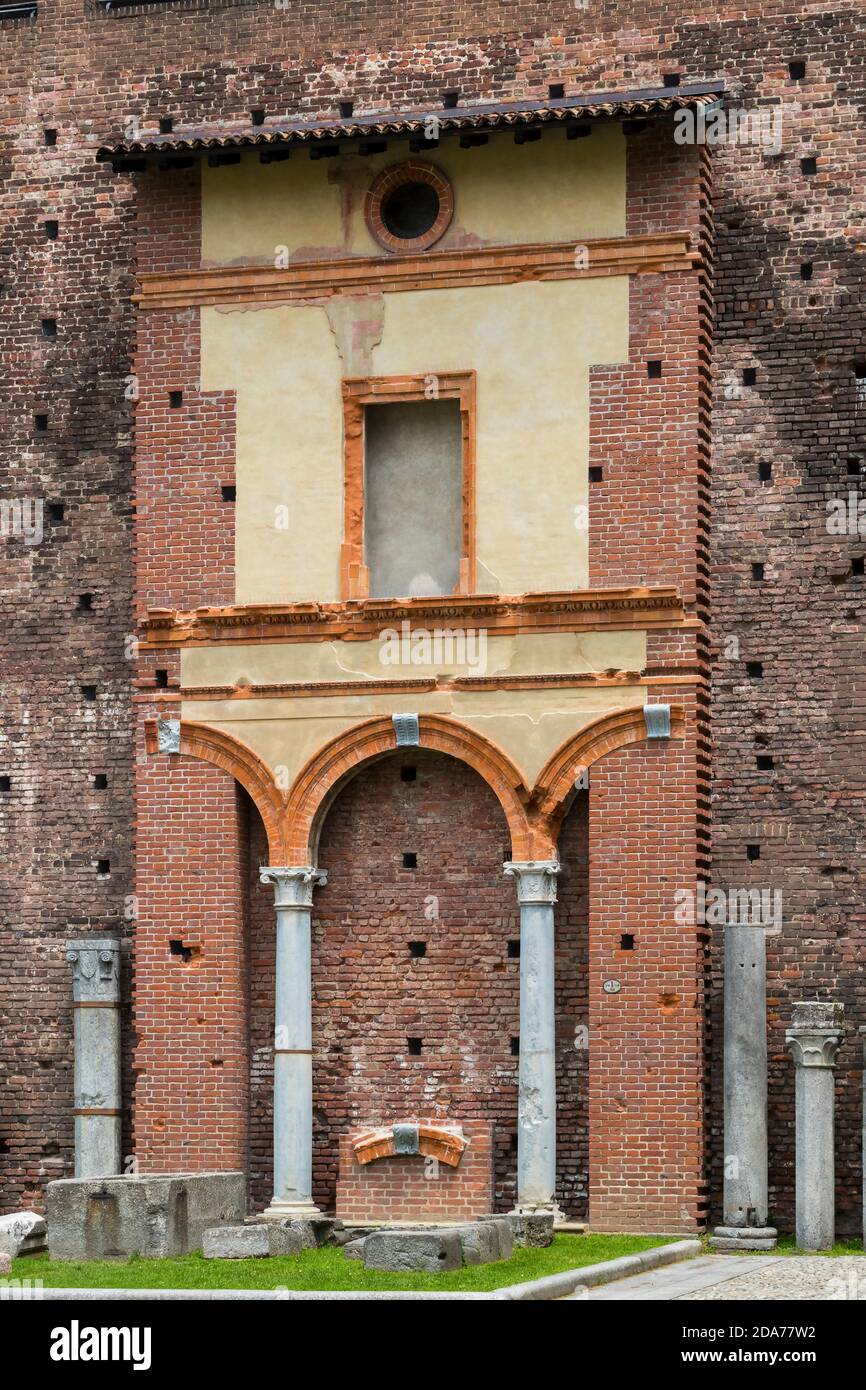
column 536, row 1113
column 293, row 1043
column 814, row 1038
column 96, row 1002
column 745, row 1174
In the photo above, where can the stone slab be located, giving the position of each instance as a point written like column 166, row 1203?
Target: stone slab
column 236, row 1242
column 290, row 1237
column 433, row 1252
column 22, row 1233
column 671, row 1282
column 157, row 1217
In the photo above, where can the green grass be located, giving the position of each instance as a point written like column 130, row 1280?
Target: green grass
column 326, row 1269
column 787, row 1245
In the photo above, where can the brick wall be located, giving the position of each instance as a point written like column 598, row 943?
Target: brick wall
column 85, row 73
column 416, row 1189
column 461, row 998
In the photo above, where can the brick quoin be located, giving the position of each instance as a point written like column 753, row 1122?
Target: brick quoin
column 87, row 73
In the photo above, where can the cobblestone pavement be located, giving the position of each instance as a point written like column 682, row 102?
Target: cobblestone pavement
column 813, row 1277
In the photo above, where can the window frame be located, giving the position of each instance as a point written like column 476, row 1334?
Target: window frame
column 359, row 392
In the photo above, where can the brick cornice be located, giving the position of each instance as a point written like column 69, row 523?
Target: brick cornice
column 648, row 254
column 364, row 619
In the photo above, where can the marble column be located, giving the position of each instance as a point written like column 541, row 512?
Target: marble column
column 814, row 1038
column 536, row 1106
column 96, row 1003
column 744, row 1225
column 293, row 1043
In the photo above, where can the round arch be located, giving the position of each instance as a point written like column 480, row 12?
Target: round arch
column 555, row 785
column 327, row 772
column 239, row 761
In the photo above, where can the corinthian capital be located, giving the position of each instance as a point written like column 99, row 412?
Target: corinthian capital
column 293, row 887
column 815, row 1033
column 536, row 880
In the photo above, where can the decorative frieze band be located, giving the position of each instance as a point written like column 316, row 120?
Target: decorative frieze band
column 360, row 619
column 490, row 265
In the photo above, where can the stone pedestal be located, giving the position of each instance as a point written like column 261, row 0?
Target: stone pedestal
column 96, row 1000
column 159, row 1217
column 745, row 1172
column 293, row 1044
column 536, row 1106
column 814, row 1038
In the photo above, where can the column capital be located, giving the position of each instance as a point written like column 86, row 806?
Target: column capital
column 95, row 962
column 293, row 887
column 536, row 879
column 815, row 1033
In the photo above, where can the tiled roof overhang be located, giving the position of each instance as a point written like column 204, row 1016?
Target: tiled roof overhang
column 515, row 115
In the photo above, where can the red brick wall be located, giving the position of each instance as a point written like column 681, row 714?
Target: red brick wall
column 415, row 1188
column 646, row 1041
column 191, row 1016
column 648, row 435
column 462, row 998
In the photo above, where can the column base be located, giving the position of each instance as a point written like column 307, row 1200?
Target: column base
column 531, row 1209
column 733, row 1238
column 291, row 1211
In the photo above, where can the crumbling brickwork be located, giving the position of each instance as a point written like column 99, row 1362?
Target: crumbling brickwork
column 788, row 294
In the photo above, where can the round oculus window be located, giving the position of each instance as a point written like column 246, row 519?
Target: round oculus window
column 409, row 206
column 411, row 210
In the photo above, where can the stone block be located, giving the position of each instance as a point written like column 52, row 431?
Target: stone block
column 532, row 1228
column 290, row 1237
column 158, row 1217
column 236, row 1242
column 482, row 1242
column 432, row 1252
column 354, row 1249
column 5, row 1263
column 22, row 1233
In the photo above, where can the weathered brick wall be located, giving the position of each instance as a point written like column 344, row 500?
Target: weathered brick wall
column 370, row 994
column 414, row 1189
column 84, row 73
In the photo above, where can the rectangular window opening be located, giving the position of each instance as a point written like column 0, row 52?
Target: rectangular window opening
column 413, row 497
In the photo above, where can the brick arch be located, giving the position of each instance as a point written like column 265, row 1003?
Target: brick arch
column 554, row 788
column 321, row 779
column 239, row 761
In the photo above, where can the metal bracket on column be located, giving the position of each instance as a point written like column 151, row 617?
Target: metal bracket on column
column 406, row 729
column 658, row 721
column 168, row 735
